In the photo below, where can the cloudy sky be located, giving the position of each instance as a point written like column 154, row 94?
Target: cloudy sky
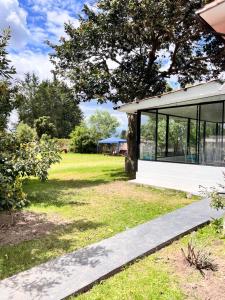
column 32, row 22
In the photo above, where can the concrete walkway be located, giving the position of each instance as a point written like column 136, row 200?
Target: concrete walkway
column 78, row 271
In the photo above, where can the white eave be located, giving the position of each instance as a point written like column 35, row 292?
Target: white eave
column 205, row 92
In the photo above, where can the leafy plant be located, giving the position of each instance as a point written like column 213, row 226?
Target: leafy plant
column 217, row 199
column 25, row 133
column 83, row 140
column 19, row 160
column 43, row 125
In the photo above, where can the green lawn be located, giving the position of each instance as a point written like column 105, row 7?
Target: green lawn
column 92, row 194
column 164, row 275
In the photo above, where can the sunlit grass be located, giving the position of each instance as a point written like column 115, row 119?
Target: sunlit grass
column 91, row 192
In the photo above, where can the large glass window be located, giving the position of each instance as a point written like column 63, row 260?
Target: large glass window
column 211, row 134
column 148, row 136
column 188, row 134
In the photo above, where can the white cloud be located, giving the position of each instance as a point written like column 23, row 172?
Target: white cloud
column 28, row 61
column 56, row 21
column 11, row 14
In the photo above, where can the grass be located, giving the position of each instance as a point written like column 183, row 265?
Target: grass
column 90, row 192
column 157, row 277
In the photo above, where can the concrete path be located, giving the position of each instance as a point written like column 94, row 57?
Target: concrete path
column 78, row 271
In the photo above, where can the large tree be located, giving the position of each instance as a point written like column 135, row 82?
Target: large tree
column 129, row 49
column 53, row 99
column 7, row 95
column 103, row 124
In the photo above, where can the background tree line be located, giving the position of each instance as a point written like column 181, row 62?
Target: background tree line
column 51, row 99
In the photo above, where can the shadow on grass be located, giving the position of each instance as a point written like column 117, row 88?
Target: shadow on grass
column 33, row 252
column 54, row 191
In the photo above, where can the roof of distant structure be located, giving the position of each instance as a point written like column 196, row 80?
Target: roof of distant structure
column 112, row 140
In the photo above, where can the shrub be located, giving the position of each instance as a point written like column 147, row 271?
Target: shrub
column 19, row 160
column 43, row 125
column 25, row 133
column 83, row 140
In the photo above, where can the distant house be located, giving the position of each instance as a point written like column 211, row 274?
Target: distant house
column 181, row 137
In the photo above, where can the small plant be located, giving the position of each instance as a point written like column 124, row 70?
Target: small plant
column 218, row 224
column 217, row 198
column 199, row 258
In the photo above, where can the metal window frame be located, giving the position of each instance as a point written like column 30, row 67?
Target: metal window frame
column 198, row 131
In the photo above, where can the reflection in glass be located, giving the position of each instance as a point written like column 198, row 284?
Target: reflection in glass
column 211, row 134
column 189, row 134
column 147, row 137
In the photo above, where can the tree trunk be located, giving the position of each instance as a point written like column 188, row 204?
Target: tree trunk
column 131, row 159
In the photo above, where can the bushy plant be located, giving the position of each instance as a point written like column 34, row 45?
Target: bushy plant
column 25, row 133
column 43, row 125
column 19, row 160
column 83, row 140
column 217, row 200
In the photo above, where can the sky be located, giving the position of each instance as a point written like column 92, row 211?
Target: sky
column 32, row 22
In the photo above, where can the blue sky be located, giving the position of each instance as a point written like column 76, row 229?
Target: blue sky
column 32, row 22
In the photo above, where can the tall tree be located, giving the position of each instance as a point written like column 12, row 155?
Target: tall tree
column 103, row 124
column 128, row 49
column 7, row 97
column 52, row 99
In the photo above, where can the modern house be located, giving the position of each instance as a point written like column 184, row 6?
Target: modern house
column 181, row 137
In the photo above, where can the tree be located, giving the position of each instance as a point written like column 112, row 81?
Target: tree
column 8, row 100
column 52, row 99
column 128, row 49
column 83, row 140
column 103, row 124
column 6, row 71
column 43, row 125
column 123, row 134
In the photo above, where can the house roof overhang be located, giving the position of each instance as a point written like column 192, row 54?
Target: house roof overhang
column 205, row 92
column 213, row 17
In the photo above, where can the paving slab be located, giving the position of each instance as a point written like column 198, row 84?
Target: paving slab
column 78, row 271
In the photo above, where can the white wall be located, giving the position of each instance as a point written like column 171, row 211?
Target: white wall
column 184, row 177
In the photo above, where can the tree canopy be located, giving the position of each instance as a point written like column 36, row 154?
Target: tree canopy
column 128, row 49
column 51, row 99
column 103, row 124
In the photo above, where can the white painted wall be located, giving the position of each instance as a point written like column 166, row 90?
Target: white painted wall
column 184, row 177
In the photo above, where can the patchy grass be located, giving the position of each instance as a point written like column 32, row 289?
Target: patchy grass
column 91, row 194
column 166, row 276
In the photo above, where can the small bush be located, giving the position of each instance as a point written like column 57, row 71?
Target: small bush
column 83, row 140
column 43, row 125
column 19, row 160
column 25, row 133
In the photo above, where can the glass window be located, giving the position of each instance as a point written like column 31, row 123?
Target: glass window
column 177, row 145
column 161, row 136
column 211, row 146
column 147, row 136
column 188, row 134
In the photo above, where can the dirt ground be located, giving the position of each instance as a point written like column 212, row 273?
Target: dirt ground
column 24, row 225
